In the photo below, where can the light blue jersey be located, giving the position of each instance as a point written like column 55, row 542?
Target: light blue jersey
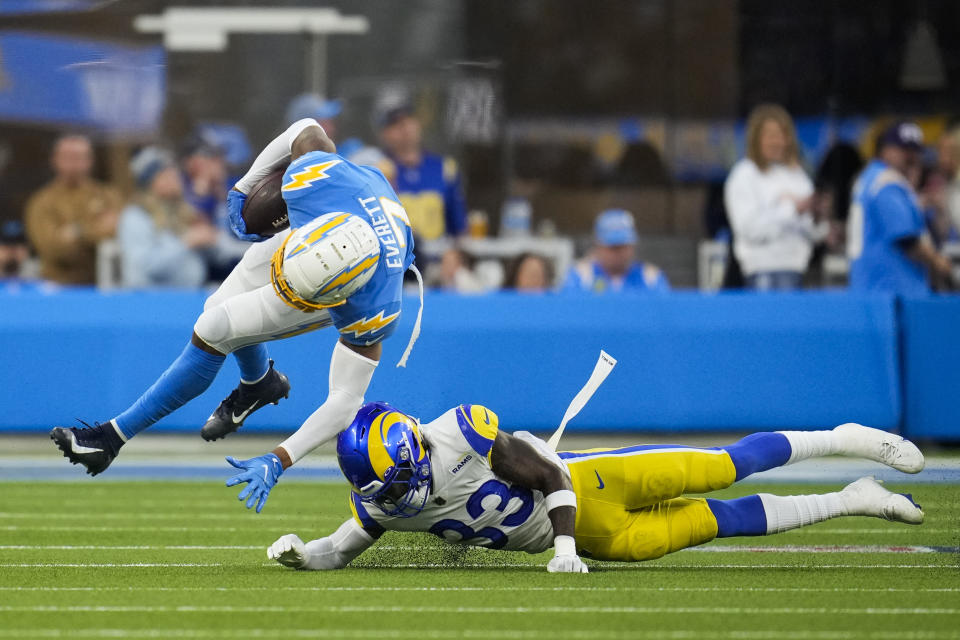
column 318, row 183
column 883, row 212
column 589, row 276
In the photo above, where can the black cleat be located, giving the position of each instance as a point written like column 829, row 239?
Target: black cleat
column 243, row 401
column 94, row 447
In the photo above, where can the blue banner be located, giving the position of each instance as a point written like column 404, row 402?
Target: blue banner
column 81, row 83
column 687, row 361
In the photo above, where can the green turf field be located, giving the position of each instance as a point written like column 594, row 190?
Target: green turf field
column 185, row 560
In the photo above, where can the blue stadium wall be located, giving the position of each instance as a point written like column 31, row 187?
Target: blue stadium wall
column 686, row 361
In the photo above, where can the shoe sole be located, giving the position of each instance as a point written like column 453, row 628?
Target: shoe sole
column 62, row 438
column 208, row 433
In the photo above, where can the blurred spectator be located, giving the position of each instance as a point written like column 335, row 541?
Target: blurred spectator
column 13, row 250
column 456, row 272
column 428, row 184
column 885, row 234
column 71, row 214
column 160, row 234
column 325, row 112
column 834, row 180
column 949, row 162
column 530, row 273
column 204, row 177
column 937, row 190
column 612, row 265
column 768, row 200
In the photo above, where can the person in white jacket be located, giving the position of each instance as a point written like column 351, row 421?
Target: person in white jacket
column 768, row 200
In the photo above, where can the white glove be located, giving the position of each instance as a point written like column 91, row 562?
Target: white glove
column 289, row 551
column 565, row 559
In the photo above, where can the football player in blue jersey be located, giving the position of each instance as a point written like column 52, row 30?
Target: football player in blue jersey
column 341, row 264
column 464, row 479
column 612, row 267
column 887, row 241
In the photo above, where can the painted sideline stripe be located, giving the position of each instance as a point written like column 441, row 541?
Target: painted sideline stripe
column 153, row 515
column 92, row 547
column 639, row 566
column 793, row 548
column 506, row 589
column 803, row 532
column 869, row 611
column 701, row 549
column 23, row 565
column 498, row 634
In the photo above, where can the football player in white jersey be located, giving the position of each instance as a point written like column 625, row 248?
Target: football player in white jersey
column 463, row 479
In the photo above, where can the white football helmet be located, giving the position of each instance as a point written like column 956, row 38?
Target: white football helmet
column 322, row 263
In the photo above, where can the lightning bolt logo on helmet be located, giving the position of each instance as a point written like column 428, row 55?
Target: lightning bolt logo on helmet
column 310, row 174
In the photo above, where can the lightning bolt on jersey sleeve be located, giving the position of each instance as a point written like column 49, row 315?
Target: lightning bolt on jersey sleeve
column 318, row 183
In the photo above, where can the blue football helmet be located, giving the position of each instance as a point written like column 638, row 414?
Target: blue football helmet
column 384, row 458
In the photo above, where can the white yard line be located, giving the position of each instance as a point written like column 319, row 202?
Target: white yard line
column 501, row 589
column 492, row 565
column 378, row 609
column 480, row 634
column 98, row 565
column 92, row 547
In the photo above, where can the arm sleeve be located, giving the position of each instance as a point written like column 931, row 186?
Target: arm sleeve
column 751, row 221
column 900, row 217
column 275, row 154
column 454, row 206
column 338, row 549
column 350, row 375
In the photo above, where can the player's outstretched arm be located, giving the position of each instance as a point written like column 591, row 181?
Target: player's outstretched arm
column 299, row 138
column 518, row 462
column 333, row 552
column 351, row 369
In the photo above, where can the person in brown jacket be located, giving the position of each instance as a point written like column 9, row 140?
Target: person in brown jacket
column 71, row 214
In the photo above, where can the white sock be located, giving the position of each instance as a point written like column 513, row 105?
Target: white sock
column 116, row 427
column 811, row 444
column 258, row 379
column 792, row 512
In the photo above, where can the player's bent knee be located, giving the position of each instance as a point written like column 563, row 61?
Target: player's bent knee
column 213, row 327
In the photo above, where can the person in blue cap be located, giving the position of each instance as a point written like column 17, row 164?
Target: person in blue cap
column 326, row 112
column 612, row 266
column 886, row 233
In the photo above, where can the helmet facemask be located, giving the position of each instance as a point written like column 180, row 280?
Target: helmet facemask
column 406, row 487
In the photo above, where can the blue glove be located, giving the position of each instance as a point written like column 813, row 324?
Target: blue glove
column 260, row 474
column 238, row 225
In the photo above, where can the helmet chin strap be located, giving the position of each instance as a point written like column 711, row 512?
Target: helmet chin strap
column 416, row 325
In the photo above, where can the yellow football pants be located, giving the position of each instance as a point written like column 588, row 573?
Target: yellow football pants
column 628, row 500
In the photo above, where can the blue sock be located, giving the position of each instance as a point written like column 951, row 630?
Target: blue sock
column 759, row 452
column 739, row 517
column 253, row 361
column 185, row 379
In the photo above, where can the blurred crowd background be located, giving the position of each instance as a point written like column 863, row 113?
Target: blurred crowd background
column 538, row 146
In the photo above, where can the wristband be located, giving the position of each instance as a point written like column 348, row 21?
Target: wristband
column 562, row 498
column 564, row 546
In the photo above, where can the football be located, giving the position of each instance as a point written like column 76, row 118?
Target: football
column 265, row 212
